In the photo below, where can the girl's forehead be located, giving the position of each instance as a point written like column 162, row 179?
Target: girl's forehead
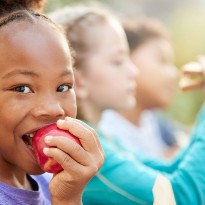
column 36, row 35
column 36, row 45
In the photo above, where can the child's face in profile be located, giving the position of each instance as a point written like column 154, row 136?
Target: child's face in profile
column 157, row 81
column 110, row 75
column 36, row 88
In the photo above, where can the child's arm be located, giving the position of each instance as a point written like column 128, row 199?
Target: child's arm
column 80, row 163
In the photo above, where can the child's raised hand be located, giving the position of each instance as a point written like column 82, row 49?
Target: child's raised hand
column 193, row 75
column 80, row 163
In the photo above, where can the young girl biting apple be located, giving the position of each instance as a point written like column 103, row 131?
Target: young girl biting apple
column 36, row 89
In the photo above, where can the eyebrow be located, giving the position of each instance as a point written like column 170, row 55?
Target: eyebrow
column 31, row 73
column 66, row 72
column 20, row 72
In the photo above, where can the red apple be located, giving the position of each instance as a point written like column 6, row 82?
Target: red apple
column 46, row 163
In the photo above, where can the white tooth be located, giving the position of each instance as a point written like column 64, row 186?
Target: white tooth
column 31, row 135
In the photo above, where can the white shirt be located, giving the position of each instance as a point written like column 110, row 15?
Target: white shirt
column 144, row 138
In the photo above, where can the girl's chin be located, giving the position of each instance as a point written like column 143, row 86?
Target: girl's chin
column 37, row 171
column 34, row 169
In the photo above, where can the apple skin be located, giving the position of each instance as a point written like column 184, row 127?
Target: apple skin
column 46, row 163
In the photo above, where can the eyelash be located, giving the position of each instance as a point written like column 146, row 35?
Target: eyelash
column 19, row 87
column 68, row 85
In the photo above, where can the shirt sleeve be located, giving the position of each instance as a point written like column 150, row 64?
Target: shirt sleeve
column 124, row 179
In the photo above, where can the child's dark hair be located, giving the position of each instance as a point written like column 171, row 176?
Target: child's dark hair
column 22, row 10
column 139, row 31
column 8, row 6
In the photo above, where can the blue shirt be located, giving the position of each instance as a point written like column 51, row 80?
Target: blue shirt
column 127, row 178
column 14, row 196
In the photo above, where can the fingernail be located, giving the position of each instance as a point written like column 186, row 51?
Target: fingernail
column 67, row 118
column 45, row 150
column 60, row 122
column 48, row 138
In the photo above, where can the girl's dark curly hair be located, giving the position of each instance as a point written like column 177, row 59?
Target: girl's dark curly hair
column 23, row 10
column 8, row 6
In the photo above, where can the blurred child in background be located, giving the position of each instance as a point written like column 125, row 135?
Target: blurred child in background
column 105, row 78
column 145, row 128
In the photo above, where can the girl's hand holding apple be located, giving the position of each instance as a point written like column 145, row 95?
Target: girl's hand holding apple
column 83, row 158
column 48, row 164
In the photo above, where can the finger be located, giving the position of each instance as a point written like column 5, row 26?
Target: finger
column 87, row 136
column 192, row 68
column 71, row 165
column 85, row 133
column 66, row 161
column 188, row 82
column 192, row 76
column 92, row 130
column 201, row 59
column 191, row 86
column 96, row 138
column 69, row 147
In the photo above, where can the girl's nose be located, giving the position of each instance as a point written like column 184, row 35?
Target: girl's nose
column 49, row 108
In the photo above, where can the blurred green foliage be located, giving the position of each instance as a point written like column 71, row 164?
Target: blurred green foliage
column 185, row 107
column 188, row 29
column 188, row 32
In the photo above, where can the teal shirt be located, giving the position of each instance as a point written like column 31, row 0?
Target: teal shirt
column 128, row 178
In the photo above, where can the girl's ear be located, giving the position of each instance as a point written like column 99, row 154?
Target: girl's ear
column 80, row 85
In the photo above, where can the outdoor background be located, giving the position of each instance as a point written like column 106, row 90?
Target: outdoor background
column 185, row 20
